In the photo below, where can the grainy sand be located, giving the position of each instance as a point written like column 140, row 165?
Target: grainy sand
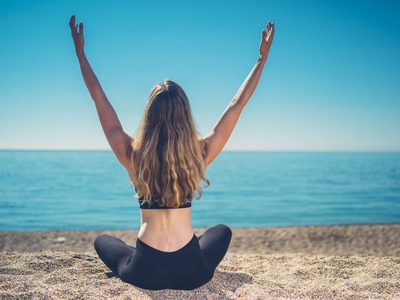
column 322, row 262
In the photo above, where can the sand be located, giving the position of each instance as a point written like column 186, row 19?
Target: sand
column 312, row 262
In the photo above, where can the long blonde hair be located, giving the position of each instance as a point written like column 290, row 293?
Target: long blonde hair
column 166, row 159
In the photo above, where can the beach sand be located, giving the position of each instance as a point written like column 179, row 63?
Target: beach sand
column 321, row 262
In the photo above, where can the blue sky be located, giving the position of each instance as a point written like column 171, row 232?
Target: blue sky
column 332, row 82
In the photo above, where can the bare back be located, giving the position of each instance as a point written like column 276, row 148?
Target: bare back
column 166, row 230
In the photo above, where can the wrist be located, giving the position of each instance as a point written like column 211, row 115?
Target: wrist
column 262, row 58
column 80, row 52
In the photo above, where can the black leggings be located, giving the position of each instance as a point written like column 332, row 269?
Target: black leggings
column 185, row 269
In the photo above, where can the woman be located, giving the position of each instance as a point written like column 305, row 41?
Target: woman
column 166, row 163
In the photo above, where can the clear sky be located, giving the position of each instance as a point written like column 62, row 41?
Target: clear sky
column 332, row 81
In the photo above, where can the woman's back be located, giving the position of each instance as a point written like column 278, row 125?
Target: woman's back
column 165, row 229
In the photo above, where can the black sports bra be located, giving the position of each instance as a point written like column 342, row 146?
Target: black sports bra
column 155, row 205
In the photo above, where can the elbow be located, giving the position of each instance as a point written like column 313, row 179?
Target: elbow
column 99, row 97
column 237, row 105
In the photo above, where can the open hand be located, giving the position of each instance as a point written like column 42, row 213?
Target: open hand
column 77, row 36
column 266, row 39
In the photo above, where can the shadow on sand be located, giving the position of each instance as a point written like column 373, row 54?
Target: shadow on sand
column 221, row 282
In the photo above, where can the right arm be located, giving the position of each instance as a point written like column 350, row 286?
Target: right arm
column 219, row 135
column 119, row 141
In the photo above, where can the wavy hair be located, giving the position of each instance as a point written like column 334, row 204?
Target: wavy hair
column 166, row 158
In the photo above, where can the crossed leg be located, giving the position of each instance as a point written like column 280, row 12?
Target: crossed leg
column 214, row 243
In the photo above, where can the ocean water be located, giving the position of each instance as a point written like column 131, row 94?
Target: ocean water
column 80, row 190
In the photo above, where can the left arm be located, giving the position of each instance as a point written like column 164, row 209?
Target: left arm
column 219, row 135
column 120, row 142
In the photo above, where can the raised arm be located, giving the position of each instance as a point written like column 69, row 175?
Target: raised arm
column 219, row 135
column 119, row 141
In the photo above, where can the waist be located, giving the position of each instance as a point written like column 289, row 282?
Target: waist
column 177, row 249
column 163, row 234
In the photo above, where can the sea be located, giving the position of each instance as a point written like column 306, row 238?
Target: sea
column 90, row 190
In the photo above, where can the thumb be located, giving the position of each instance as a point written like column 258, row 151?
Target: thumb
column 264, row 33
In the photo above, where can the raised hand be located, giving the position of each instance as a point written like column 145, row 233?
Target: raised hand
column 79, row 41
column 266, row 39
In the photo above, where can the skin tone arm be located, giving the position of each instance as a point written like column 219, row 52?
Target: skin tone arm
column 219, row 135
column 119, row 141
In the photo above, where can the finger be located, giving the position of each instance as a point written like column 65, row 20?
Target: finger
column 268, row 26
column 80, row 28
column 72, row 22
column 273, row 28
